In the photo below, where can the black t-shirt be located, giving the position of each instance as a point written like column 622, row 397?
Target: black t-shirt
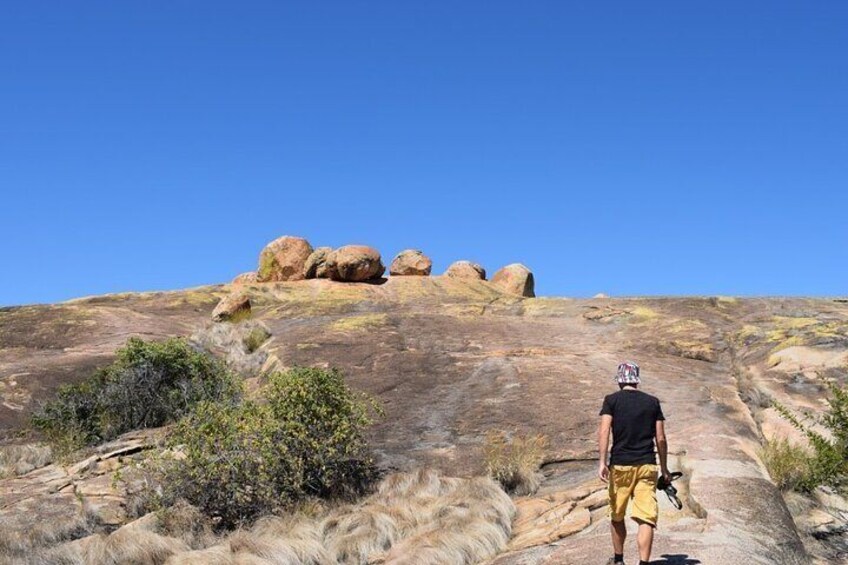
column 634, row 426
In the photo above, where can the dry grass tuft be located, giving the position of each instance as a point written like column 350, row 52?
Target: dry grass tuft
column 17, row 460
column 185, row 522
column 24, row 535
column 125, row 546
column 514, row 462
column 424, row 518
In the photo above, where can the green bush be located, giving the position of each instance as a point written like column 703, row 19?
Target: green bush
column 149, row 384
column 236, row 462
column 829, row 461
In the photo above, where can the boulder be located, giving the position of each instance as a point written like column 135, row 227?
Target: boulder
column 466, row 270
column 283, row 259
column 411, row 262
column 245, row 278
column 354, row 263
column 316, row 264
column 231, row 306
column 515, row 279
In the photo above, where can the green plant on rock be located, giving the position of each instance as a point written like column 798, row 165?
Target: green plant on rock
column 149, row 384
column 238, row 461
column 255, row 338
column 788, row 464
column 829, row 462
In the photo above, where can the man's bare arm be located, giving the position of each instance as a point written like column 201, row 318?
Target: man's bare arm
column 662, row 448
column 603, row 446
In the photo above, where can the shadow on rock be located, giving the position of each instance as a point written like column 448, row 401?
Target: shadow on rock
column 676, row 559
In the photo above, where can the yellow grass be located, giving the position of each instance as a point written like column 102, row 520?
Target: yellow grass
column 357, row 323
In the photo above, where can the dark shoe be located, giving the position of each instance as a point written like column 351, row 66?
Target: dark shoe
column 612, row 561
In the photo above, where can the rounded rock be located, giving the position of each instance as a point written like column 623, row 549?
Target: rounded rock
column 411, row 262
column 283, row 259
column 316, row 264
column 515, row 279
column 245, row 278
column 231, row 306
column 355, row 263
column 466, row 270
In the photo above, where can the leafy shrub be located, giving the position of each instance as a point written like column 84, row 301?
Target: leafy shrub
column 238, row 461
column 149, row 384
column 788, row 464
column 514, row 462
column 829, row 461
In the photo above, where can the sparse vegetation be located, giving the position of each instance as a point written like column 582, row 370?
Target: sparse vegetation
column 514, row 462
column 788, row 464
column 357, row 323
column 237, row 343
column 255, row 338
column 148, row 385
column 828, row 464
column 239, row 461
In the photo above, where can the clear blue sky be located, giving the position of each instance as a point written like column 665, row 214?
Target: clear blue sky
column 624, row 147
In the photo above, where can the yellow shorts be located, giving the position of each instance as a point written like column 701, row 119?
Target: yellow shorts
column 636, row 482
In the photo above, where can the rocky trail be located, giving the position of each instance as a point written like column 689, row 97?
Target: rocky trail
column 452, row 359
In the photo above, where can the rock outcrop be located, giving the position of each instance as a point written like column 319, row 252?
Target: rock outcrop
column 316, row 263
column 355, row 263
column 283, row 259
column 232, row 306
column 466, row 270
column 411, row 262
column 515, row 279
column 448, row 360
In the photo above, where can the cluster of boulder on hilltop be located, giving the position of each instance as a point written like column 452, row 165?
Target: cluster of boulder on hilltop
column 290, row 258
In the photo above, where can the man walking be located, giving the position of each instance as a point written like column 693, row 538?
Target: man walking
column 637, row 422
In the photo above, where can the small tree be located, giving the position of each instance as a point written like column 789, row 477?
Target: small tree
column 829, row 464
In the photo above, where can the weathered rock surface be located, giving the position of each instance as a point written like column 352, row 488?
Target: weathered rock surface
column 411, row 263
column 450, row 360
column 355, row 263
column 515, row 279
column 466, row 270
column 316, row 264
column 245, row 278
column 231, row 306
column 283, row 259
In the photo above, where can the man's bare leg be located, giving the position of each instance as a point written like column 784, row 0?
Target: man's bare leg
column 619, row 534
column 645, row 540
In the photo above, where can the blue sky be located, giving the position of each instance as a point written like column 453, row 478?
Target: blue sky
column 622, row 147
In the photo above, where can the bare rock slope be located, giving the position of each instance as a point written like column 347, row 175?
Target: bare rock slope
column 452, row 359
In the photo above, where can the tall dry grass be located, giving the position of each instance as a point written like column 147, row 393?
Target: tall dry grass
column 17, row 460
column 413, row 518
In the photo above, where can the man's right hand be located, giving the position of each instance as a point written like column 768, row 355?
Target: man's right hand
column 603, row 472
column 666, row 475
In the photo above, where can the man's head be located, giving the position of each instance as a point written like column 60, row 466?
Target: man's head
column 628, row 375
